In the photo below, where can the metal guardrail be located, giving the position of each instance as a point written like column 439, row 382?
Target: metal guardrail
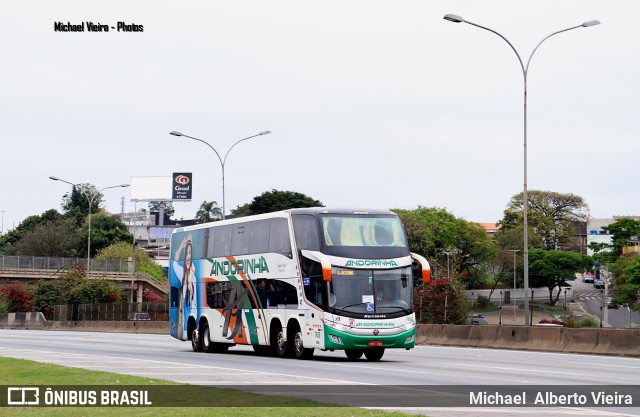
column 41, row 267
column 36, row 262
column 112, row 312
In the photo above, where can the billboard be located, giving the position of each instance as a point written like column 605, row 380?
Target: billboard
column 151, row 188
column 182, row 186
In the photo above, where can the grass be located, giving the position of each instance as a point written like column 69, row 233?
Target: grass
column 18, row 372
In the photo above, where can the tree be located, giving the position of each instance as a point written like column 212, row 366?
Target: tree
column 143, row 262
column 550, row 269
column 550, row 215
column 622, row 231
column 106, row 229
column 56, row 238
column 442, row 301
column 433, row 231
column 167, row 206
column 76, row 203
column 27, row 225
column 209, row 212
column 276, row 200
column 626, row 273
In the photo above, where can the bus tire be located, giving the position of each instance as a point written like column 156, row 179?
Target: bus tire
column 196, row 344
column 298, row 347
column 354, row 354
column 205, row 338
column 374, row 354
column 282, row 345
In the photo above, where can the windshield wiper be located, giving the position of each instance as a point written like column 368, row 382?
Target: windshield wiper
column 351, row 305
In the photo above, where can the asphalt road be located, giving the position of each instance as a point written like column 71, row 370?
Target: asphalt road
column 159, row 356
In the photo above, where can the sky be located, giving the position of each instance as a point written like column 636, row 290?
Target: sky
column 371, row 104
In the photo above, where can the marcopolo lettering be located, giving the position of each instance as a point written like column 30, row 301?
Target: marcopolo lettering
column 241, row 265
column 370, row 262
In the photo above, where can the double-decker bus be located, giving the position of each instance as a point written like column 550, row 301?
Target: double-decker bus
column 296, row 280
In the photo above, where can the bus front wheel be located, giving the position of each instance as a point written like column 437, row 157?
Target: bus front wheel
column 354, row 354
column 374, row 354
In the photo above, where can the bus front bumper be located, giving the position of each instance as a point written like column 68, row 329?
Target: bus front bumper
column 338, row 340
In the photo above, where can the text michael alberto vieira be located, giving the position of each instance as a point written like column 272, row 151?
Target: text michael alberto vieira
column 96, row 27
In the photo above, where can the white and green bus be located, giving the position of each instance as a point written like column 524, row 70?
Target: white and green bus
column 296, row 280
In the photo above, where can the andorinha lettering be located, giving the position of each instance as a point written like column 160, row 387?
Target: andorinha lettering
column 370, row 262
column 240, row 265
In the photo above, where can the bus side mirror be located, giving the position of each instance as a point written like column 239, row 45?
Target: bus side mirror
column 424, row 265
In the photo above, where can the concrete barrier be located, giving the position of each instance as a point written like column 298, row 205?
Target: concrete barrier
column 25, row 321
column 625, row 342
column 131, row 326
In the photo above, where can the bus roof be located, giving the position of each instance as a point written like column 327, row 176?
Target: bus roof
column 285, row 213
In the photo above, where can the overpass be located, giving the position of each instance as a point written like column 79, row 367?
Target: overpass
column 30, row 269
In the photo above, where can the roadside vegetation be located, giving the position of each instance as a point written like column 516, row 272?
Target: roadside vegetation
column 18, row 372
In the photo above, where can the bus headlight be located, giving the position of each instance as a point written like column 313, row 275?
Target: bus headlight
column 336, row 339
column 410, row 339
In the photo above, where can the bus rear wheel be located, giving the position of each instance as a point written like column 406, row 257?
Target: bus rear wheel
column 298, row 347
column 282, row 345
column 353, row 354
column 196, row 344
column 374, row 354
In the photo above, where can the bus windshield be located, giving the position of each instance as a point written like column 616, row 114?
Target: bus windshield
column 368, row 291
column 378, row 231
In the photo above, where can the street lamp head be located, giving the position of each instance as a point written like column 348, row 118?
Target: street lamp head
column 174, row 133
column 590, row 23
column 266, row 132
column 54, row 178
column 123, row 185
column 453, row 18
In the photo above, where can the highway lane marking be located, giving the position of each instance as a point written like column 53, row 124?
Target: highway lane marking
column 514, row 369
column 22, row 354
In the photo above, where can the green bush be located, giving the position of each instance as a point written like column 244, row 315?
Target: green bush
column 16, row 298
column 3, row 307
column 483, row 302
column 73, row 288
column 589, row 321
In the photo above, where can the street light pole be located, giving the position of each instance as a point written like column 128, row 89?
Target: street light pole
column 2, row 228
column 515, row 306
column 90, row 198
column 525, row 198
column 448, row 270
column 222, row 160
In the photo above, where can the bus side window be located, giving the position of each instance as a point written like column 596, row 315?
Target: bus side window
column 313, row 291
column 175, row 294
column 259, row 241
column 305, row 229
column 222, row 242
column 240, row 239
column 279, row 237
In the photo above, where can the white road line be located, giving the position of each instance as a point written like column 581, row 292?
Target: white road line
column 514, row 369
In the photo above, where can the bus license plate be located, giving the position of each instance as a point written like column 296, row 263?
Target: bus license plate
column 375, row 342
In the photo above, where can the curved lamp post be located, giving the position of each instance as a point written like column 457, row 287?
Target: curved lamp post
column 90, row 197
column 222, row 160
column 525, row 69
